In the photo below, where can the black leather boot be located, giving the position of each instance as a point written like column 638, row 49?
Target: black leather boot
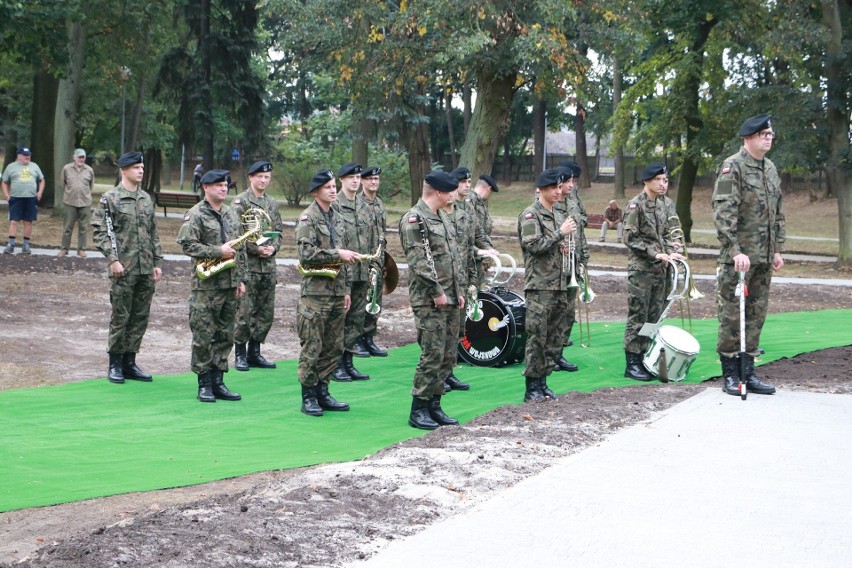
column 437, row 414
column 564, row 364
column 240, row 360
column 545, row 390
column 634, row 369
column 132, row 371
column 533, row 392
column 205, row 387
column 327, row 402
column 340, row 374
column 359, row 350
column 115, row 373
column 373, row 349
column 310, row 406
column 255, row 359
column 220, row 391
column 351, row 370
column 420, row 417
column 753, row 383
column 730, row 375
column 453, row 382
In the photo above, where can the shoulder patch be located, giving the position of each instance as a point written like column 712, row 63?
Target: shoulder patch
column 529, row 216
column 412, row 219
column 303, row 218
column 186, row 217
column 104, row 199
column 632, row 206
column 726, row 169
column 237, row 201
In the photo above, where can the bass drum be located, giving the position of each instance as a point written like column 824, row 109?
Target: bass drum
column 681, row 349
column 499, row 337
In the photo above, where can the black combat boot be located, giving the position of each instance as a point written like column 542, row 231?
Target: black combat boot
column 132, row 371
column 220, row 391
column 310, row 406
column 437, row 414
column 340, row 374
column 326, row 401
column 564, row 364
column 545, row 390
column 349, row 366
column 634, row 369
column 730, row 375
column 115, row 373
column 373, row 349
column 420, row 417
column 255, row 359
column 359, row 350
column 533, row 392
column 205, row 386
column 753, row 383
column 240, row 360
column 453, row 382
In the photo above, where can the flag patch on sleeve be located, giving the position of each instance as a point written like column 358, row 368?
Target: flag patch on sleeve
column 528, row 216
column 726, row 169
column 632, row 206
column 186, row 217
column 303, row 218
column 412, row 219
column 236, row 201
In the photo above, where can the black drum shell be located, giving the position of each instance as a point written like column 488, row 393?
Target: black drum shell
column 499, row 338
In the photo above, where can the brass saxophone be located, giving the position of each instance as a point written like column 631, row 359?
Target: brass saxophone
column 255, row 221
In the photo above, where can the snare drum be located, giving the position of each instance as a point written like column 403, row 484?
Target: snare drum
column 681, row 350
column 499, row 337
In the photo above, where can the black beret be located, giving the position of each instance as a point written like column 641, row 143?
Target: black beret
column 572, row 169
column 321, row 178
column 261, row 166
column 553, row 176
column 461, row 173
column 216, row 176
column 130, row 159
column 442, row 181
column 349, row 169
column 371, row 172
column 755, row 124
column 490, row 181
column 653, row 170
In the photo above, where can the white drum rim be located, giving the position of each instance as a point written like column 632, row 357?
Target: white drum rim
column 693, row 347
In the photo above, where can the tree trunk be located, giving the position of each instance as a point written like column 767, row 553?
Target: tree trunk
column 618, row 190
column 205, row 122
column 466, row 112
column 448, row 113
column 489, row 123
column 507, row 161
column 153, row 169
column 360, row 135
column 539, row 137
column 45, row 92
column 582, row 154
column 416, row 135
column 67, row 99
column 136, row 115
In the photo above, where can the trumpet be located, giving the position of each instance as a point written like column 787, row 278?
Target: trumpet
column 569, row 260
column 373, row 307
column 472, row 308
column 585, row 297
column 255, row 221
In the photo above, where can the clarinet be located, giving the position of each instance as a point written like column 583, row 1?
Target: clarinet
column 110, row 229
column 427, row 248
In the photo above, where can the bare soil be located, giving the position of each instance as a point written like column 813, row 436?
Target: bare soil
column 55, row 313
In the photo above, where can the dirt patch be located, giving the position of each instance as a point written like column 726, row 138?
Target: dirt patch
column 55, row 314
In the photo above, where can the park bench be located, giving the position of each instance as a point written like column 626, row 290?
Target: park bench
column 175, row 199
column 595, row 221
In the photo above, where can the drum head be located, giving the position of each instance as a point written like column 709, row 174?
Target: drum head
column 490, row 341
column 680, row 339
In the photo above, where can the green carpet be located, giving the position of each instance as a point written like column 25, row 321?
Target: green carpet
column 91, row 438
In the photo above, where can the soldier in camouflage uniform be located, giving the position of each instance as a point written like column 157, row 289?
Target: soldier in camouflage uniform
column 646, row 234
column 351, row 213
column 208, row 234
column 257, row 307
column 542, row 230
column 434, row 267
column 478, row 207
column 374, row 220
column 325, row 298
column 750, row 225
column 572, row 170
column 125, row 231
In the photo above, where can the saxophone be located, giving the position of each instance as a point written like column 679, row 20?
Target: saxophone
column 255, row 221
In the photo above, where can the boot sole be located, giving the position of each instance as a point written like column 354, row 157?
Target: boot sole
column 311, row 413
column 423, row 427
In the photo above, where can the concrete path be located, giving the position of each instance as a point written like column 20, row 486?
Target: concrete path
column 713, row 481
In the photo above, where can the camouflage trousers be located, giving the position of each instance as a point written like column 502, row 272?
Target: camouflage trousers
column 257, row 308
column 130, row 297
column 757, row 279
column 646, row 297
column 371, row 322
column 354, row 324
column 80, row 216
column 319, row 323
column 545, row 327
column 211, row 320
column 438, row 337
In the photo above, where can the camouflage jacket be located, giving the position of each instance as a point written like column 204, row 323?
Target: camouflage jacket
column 646, row 231
column 372, row 220
column 316, row 248
column 202, row 235
column 137, row 244
column 575, row 197
column 569, row 208
column 748, row 206
column 242, row 203
column 354, row 232
column 479, row 209
column 464, row 226
column 541, row 241
column 444, row 275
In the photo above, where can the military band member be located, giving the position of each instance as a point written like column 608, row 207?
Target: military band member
column 324, row 299
column 478, row 198
column 428, row 239
column 542, row 231
column 125, row 231
column 750, row 225
column 208, row 233
column 647, row 219
column 257, row 307
column 374, row 217
column 349, row 209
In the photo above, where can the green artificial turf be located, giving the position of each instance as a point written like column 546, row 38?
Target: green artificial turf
column 92, row 438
